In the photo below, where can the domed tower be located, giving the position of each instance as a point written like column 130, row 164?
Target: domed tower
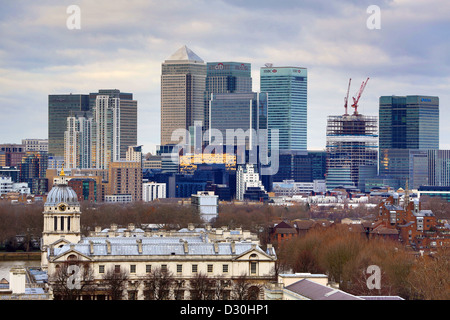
column 61, row 218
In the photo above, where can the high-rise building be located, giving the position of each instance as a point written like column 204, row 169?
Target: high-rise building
column 242, row 114
column 352, row 147
column 287, row 106
column 183, row 78
column 78, row 140
column 106, row 142
column 125, row 178
column 60, row 107
column 409, row 122
column 126, row 115
column 226, row 77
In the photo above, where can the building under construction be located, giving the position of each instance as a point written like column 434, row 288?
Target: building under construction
column 352, row 147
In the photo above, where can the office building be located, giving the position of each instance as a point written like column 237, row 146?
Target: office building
column 301, row 166
column 11, row 154
column 409, row 122
column 206, row 203
column 125, row 178
column 78, row 140
column 247, row 177
column 352, row 149
column 153, row 190
column 226, row 77
column 239, row 115
column 126, row 117
column 60, row 106
column 183, row 78
column 35, row 144
column 287, row 106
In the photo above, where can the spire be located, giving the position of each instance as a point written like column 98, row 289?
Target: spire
column 62, row 174
column 186, row 54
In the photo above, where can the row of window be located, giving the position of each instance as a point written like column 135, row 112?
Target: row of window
column 179, row 268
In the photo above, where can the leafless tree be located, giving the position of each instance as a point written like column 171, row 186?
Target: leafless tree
column 115, row 281
column 158, row 284
column 201, row 287
column 72, row 280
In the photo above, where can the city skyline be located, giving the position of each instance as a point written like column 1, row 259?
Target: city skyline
column 120, row 46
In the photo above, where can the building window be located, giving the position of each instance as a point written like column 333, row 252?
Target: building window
column 194, row 268
column 133, row 268
column 55, row 223
column 253, row 267
column 179, row 268
column 210, row 268
column 101, row 269
column 164, row 268
column 225, row 268
column 117, row 268
column 148, row 268
column 62, row 223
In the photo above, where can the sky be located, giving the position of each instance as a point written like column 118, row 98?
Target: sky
column 121, row 45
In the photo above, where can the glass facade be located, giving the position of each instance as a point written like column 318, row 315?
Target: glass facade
column 409, row 122
column 238, row 111
column 287, row 107
column 226, row 77
column 60, row 107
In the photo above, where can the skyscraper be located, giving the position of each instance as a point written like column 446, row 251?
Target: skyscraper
column 183, row 78
column 287, row 106
column 409, row 122
column 78, row 140
column 226, row 77
column 127, row 111
column 60, row 107
column 244, row 113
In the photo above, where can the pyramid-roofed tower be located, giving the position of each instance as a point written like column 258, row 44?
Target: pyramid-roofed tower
column 185, row 54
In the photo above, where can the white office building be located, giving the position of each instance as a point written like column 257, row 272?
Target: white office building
column 246, row 177
column 153, row 190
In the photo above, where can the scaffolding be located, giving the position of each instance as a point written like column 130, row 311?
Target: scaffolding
column 352, row 142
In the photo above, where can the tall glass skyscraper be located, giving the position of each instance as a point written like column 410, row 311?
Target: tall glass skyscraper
column 183, row 80
column 238, row 112
column 61, row 106
column 226, row 77
column 409, row 122
column 287, row 106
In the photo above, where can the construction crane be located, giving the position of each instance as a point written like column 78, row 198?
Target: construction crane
column 356, row 100
column 346, row 98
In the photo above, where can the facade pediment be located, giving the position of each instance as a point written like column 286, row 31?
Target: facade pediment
column 254, row 254
column 63, row 257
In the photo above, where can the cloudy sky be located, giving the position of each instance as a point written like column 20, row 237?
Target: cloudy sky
column 121, row 44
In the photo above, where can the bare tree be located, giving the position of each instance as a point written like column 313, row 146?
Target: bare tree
column 158, row 284
column 72, row 280
column 201, row 287
column 115, row 281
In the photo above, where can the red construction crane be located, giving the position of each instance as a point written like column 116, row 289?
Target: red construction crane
column 356, row 100
column 346, row 98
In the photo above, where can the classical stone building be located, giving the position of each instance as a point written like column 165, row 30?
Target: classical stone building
column 135, row 255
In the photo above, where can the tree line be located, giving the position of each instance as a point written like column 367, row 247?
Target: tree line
column 345, row 256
